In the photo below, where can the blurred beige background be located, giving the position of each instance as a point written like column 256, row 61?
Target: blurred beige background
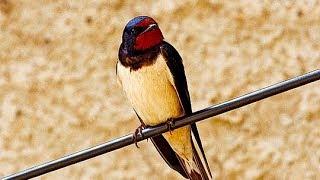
column 58, row 92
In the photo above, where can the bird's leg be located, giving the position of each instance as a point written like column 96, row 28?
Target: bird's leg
column 170, row 124
column 136, row 133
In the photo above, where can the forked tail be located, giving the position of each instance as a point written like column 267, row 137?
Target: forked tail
column 196, row 168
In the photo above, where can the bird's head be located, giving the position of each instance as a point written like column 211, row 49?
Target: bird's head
column 140, row 34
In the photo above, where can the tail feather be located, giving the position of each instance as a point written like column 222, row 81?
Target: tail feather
column 200, row 159
column 199, row 164
column 196, row 168
column 197, row 145
column 191, row 169
column 184, row 154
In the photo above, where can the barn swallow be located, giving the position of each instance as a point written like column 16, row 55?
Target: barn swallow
column 151, row 73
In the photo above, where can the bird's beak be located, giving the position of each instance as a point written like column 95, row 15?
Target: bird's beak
column 150, row 27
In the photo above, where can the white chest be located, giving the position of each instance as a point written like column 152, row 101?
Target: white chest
column 151, row 92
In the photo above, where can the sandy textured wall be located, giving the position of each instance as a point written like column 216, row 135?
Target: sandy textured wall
column 58, row 92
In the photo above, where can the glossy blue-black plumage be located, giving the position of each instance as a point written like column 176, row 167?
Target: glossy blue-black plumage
column 133, row 22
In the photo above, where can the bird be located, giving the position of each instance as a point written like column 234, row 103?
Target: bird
column 151, row 73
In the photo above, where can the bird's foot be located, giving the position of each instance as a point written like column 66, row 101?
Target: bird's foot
column 136, row 133
column 170, row 124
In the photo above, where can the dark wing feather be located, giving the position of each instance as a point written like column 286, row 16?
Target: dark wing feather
column 174, row 62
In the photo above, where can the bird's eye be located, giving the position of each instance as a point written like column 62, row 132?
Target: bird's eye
column 137, row 30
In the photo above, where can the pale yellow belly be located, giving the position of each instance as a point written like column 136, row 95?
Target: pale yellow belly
column 151, row 92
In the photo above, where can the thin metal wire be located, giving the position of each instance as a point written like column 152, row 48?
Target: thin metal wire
column 179, row 122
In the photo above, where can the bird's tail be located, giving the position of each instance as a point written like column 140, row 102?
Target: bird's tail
column 197, row 168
